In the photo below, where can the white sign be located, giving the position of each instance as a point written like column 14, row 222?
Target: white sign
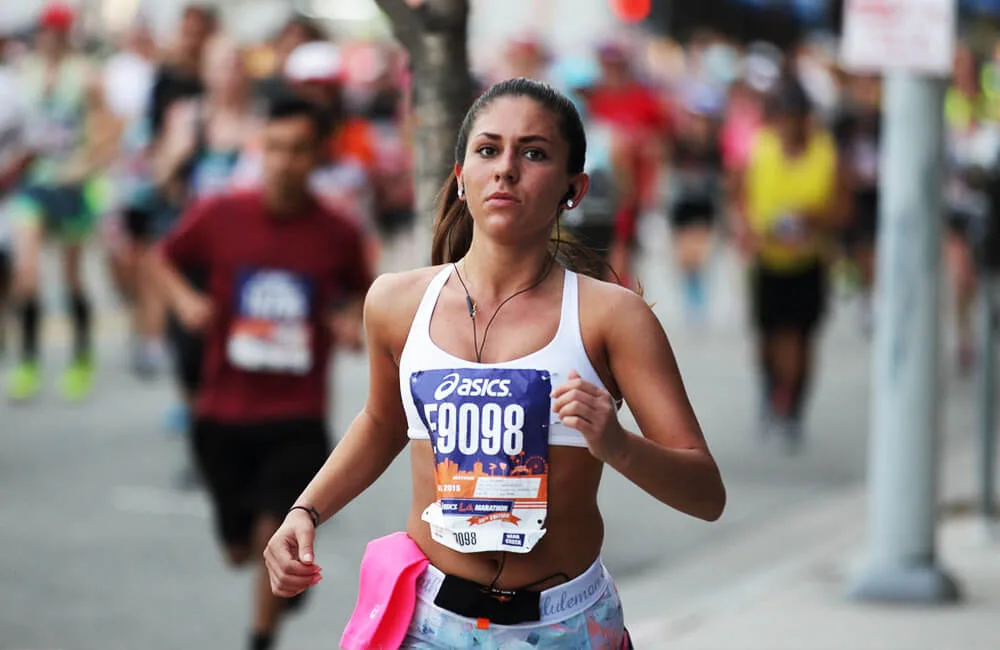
column 888, row 35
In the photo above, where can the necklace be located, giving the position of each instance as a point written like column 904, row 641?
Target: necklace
column 471, row 304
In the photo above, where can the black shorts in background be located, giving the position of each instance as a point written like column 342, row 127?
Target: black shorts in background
column 863, row 229
column 6, row 272
column 688, row 214
column 788, row 300
column 257, row 469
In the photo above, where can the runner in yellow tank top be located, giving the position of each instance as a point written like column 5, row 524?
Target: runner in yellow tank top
column 788, row 199
column 791, row 202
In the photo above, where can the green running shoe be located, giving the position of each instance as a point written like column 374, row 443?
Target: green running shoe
column 78, row 380
column 25, row 382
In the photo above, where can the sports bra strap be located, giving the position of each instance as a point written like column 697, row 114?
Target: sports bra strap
column 422, row 319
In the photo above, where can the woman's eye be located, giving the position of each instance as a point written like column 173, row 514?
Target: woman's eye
column 486, row 150
column 535, row 154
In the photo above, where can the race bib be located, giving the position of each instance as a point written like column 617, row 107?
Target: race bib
column 270, row 330
column 790, row 230
column 490, row 433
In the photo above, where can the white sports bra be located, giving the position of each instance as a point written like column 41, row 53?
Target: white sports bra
column 563, row 353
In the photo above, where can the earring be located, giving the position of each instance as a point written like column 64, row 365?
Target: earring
column 570, row 204
column 461, row 192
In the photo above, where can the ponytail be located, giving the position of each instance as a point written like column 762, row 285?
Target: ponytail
column 452, row 226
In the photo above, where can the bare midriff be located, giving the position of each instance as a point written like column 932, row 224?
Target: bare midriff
column 574, row 527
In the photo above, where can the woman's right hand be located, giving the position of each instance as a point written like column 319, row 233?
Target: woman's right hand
column 289, row 556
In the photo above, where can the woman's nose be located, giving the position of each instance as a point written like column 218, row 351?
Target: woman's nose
column 506, row 168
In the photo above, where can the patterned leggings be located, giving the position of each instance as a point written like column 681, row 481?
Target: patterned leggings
column 600, row 627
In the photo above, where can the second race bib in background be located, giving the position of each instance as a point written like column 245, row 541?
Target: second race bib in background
column 270, row 330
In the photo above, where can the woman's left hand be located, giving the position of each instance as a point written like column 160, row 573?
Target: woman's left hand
column 590, row 410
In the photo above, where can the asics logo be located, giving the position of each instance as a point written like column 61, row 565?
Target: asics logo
column 447, row 386
column 466, row 387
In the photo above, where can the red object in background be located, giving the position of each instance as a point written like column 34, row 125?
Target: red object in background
column 642, row 119
column 631, row 11
column 58, row 17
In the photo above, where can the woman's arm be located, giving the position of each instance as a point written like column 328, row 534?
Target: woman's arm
column 670, row 460
column 837, row 211
column 841, row 211
column 378, row 433
column 177, row 144
column 739, row 217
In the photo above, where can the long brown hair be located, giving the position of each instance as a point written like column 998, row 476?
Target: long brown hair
column 453, row 224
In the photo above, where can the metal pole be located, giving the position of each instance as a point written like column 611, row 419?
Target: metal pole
column 905, row 418
column 987, row 403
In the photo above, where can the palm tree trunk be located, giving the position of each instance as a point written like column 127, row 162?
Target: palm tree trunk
column 434, row 33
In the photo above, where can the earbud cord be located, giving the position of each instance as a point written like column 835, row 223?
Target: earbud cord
column 470, row 303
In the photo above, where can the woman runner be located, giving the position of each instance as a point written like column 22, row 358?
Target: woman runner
column 504, row 367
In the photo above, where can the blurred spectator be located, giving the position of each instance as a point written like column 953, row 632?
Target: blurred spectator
column 196, row 157
column 180, row 75
column 813, row 67
column 696, row 185
column 379, row 100
column 967, row 112
column 129, row 74
column 857, row 129
column 640, row 119
column 61, row 194
column 526, row 56
column 592, row 223
column 342, row 179
column 297, row 31
column 743, row 115
column 13, row 116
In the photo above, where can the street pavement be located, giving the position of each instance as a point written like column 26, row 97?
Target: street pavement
column 100, row 550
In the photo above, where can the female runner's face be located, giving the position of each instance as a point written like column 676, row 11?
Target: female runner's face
column 514, row 172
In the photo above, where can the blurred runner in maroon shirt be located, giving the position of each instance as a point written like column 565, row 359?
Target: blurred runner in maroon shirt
column 286, row 280
column 641, row 120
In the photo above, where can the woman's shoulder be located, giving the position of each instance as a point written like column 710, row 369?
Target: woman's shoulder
column 608, row 300
column 400, row 283
column 394, row 297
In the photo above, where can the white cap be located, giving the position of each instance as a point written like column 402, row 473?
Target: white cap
column 762, row 66
column 316, row 61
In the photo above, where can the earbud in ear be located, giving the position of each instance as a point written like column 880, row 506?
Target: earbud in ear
column 461, row 191
column 568, row 199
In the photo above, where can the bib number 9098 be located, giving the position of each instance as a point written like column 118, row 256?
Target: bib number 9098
column 472, row 428
column 465, row 539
